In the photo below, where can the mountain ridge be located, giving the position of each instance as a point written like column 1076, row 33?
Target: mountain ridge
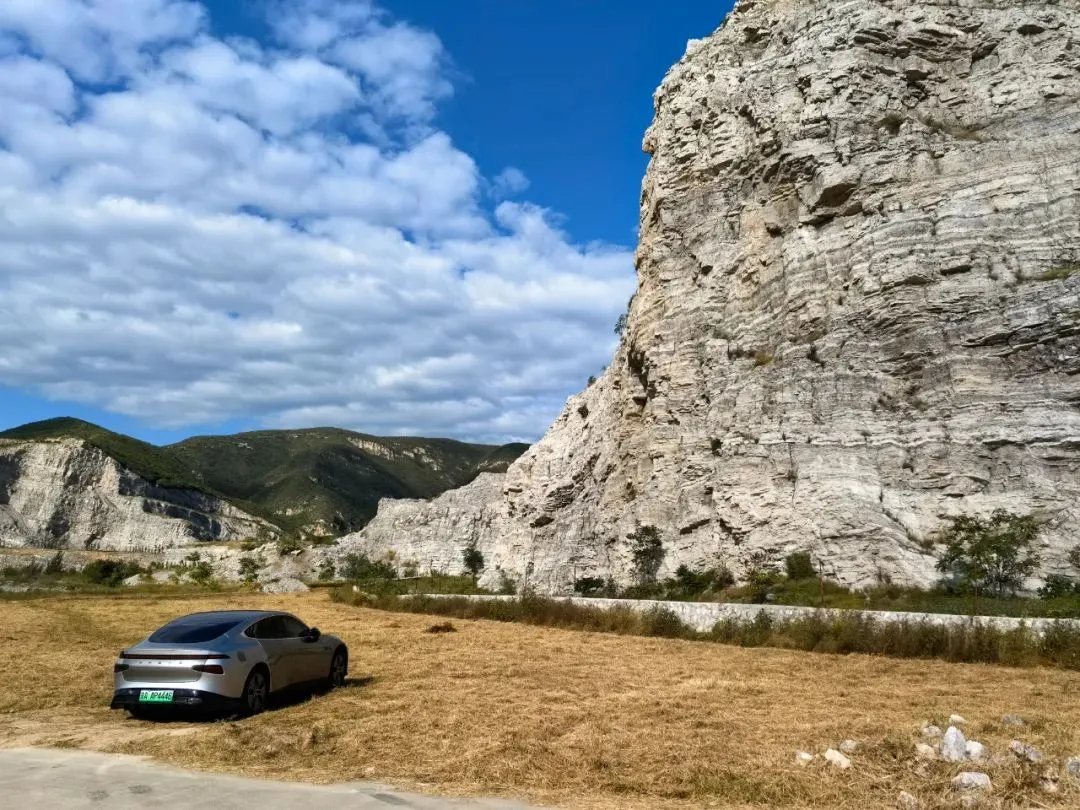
column 318, row 481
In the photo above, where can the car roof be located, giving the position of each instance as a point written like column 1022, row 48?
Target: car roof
column 212, row 616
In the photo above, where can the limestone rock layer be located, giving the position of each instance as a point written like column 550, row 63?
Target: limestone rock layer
column 857, row 312
column 67, row 494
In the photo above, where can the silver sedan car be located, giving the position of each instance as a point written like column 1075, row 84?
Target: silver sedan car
column 225, row 660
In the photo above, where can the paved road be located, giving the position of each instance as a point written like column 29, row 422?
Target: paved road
column 33, row 778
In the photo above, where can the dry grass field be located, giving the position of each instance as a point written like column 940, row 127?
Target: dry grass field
column 563, row 718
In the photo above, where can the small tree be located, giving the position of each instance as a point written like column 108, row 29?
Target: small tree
column 648, row 553
column 249, row 568
column 992, row 554
column 1074, row 557
column 799, row 566
column 473, row 559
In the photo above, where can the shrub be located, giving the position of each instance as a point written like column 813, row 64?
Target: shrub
column 55, row 565
column 201, row 572
column 665, row 623
column 359, row 567
column 473, row 559
column 799, row 566
column 249, row 568
column 288, row 544
column 507, row 584
column 442, row 627
column 993, row 554
column 110, row 573
column 1057, row 586
column 589, row 586
column 760, row 584
column 326, row 571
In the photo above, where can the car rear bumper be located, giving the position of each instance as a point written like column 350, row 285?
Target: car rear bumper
column 128, row 698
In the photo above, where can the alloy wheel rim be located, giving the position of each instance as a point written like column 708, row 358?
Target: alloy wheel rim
column 255, row 691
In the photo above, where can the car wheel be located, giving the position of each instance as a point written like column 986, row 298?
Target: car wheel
column 256, row 688
column 339, row 668
column 138, row 713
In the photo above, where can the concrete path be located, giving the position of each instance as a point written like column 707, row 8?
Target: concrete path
column 49, row 779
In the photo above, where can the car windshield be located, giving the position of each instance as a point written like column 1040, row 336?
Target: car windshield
column 192, row 630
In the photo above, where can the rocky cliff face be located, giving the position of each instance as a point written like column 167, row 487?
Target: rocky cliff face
column 857, row 314
column 67, row 494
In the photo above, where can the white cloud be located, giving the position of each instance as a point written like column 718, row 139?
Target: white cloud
column 99, row 40
column 509, row 183
column 211, row 236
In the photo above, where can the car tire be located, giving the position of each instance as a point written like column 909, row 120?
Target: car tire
column 256, row 690
column 339, row 668
column 138, row 713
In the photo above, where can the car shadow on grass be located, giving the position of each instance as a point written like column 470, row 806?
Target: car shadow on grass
column 286, row 698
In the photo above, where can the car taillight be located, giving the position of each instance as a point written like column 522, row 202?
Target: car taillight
column 119, row 667
column 210, row 669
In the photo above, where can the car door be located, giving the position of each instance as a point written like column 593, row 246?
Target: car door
column 271, row 635
column 307, row 655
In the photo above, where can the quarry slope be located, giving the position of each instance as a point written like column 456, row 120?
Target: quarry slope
column 857, row 312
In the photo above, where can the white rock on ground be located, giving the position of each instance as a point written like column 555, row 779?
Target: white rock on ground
column 1025, row 752
column 976, row 751
column 1072, row 767
column 972, row 780
column 284, row 585
column 851, row 321
column 953, row 745
column 157, row 577
column 924, row 751
column 931, row 731
column 905, row 801
column 849, row 746
column 803, row 758
column 837, row 760
column 956, row 720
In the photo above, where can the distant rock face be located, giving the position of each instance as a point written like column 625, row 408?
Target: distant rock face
column 857, row 315
column 66, row 494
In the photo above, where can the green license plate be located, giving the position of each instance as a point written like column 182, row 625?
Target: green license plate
column 155, row 696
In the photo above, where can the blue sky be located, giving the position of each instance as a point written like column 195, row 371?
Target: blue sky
column 416, row 217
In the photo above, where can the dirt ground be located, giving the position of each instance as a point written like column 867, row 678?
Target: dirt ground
column 563, row 718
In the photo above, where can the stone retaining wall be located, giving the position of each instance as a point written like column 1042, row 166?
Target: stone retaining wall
column 701, row 616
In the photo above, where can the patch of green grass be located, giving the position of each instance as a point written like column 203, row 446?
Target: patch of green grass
column 825, row 632
column 531, row 609
column 377, row 586
column 809, row 591
column 1059, row 273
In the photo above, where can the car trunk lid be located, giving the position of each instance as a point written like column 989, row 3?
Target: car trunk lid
column 162, row 663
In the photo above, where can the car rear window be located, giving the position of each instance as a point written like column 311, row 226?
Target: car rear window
column 191, row 633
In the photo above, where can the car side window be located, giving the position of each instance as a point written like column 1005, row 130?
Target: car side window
column 269, row 628
column 293, row 627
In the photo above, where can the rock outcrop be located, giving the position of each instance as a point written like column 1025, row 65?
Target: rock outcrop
column 857, row 314
column 67, row 494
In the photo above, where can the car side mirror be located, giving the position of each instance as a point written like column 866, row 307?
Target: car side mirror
column 312, row 634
